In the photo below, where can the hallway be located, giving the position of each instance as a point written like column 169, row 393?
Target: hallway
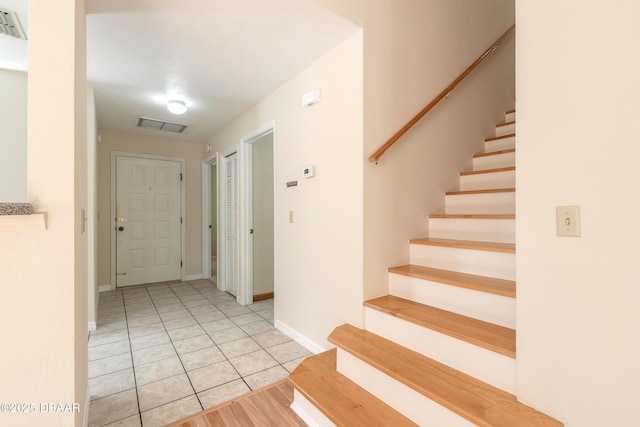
column 165, row 351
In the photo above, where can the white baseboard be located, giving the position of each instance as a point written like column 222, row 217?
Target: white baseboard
column 193, row 277
column 106, row 288
column 92, row 326
column 299, row 338
column 311, row 415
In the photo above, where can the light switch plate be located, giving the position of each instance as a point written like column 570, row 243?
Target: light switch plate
column 568, row 221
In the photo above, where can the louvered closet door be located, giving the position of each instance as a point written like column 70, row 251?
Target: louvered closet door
column 231, row 224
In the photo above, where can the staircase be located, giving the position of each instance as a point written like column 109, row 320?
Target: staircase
column 440, row 350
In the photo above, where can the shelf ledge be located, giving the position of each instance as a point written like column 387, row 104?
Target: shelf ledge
column 36, row 221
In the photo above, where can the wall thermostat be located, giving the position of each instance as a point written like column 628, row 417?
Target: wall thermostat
column 309, row 171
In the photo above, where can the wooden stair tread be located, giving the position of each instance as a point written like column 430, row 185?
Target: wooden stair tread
column 340, row 399
column 489, row 191
column 473, row 216
column 483, row 334
column 510, row 111
column 478, row 402
column 466, row 244
column 496, row 138
column 491, row 285
column 507, row 169
column 513, row 122
column 494, row 153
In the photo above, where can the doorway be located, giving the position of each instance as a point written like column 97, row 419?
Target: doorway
column 147, row 211
column 213, row 221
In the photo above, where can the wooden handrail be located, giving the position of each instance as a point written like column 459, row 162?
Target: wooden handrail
column 444, row 93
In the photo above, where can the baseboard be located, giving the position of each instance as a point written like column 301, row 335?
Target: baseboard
column 92, row 326
column 299, row 338
column 193, row 277
column 261, row 297
column 106, row 288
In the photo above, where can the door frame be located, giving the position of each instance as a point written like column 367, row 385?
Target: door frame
column 183, row 209
column 207, row 162
column 245, row 291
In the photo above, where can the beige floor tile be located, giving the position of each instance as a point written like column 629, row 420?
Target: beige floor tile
column 237, row 311
column 287, row 351
column 175, row 314
column 133, row 421
column 110, row 364
column 147, row 341
column 223, row 393
column 244, row 319
column 266, row 315
column 168, row 308
column 158, row 370
column 271, row 338
column 164, row 391
column 108, row 350
column 200, row 358
column 195, row 301
column 143, row 320
column 170, row 412
column 107, row 338
column 218, row 325
column 165, row 300
column 153, row 354
column 257, row 327
column 111, row 311
column 212, row 376
column 209, row 316
column 186, row 332
column 135, row 312
column 114, row 302
column 239, row 347
column 192, row 344
column 180, row 322
column 111, row 383
column 113, row 408
column 266, row 377
column 253, row 362
column 110, row 326
column 261, row 305
column 205, row 307
column 226, row 335
column 141, row 331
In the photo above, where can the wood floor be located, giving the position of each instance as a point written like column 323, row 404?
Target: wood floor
column 265, row 407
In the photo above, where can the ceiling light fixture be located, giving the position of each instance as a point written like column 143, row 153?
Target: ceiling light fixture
column 176, row 107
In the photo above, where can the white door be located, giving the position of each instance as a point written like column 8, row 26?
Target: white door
column 231, row 224
column 147, row 223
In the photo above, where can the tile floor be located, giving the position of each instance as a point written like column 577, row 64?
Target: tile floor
column 165, row 351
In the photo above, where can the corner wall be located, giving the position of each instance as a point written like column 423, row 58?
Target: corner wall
column 577, row 306
column 318, row 257
column 191, row 152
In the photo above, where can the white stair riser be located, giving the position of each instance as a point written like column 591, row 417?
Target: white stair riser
column 506, row 129
column 413, row 405
column 485, row 365
column 510, row 117
column 311, row 415
column 482, row 203
column 503, row 160
column 482, row 230
column 496, row 309
column 488, row 181
column 500, row 144
column 483, row 263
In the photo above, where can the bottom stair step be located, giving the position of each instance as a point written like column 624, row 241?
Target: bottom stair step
column 341, row 400
column 464, row 395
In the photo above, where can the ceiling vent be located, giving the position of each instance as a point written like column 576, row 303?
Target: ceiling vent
column 156, row 124
column 10, row 25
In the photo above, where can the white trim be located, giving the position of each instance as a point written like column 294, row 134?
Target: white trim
column 194, row 277
column 309, row 413
column 245, row 288
column 92, row 326
column 183, row 207
column 106, row 288
column 299, row 338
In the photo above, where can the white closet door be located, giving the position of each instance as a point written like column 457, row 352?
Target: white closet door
column 231, row 219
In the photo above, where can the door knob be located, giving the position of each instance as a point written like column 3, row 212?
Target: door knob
column 121, row 228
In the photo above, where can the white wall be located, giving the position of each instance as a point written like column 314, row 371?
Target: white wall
column 191, row 152
column 43, row 274
column 13, row 136
column 577, row 307
column 318, row 257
